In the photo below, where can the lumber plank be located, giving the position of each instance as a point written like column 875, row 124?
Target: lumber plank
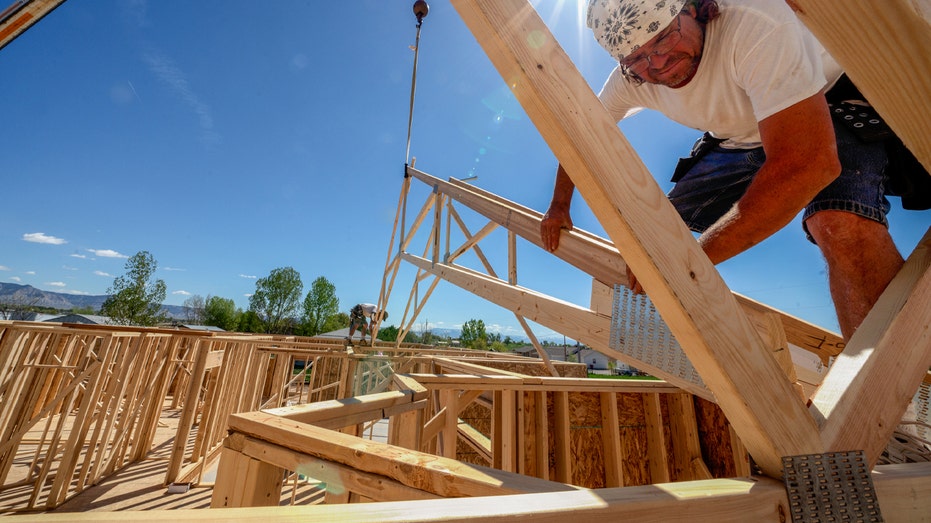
column 561, row 436
column 333, row 410
column 541, row 436
column 479, row 442
column 338, row 478
column 866, row 391
column 546, row 384
column 904, row 494
column 686, row 447
column 427, row 472
column 611, row 441
column 449, row 434
column 681, row 281
column 658, row 460
column 22, row 18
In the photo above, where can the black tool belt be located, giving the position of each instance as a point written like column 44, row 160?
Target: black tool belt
column 703, row 146
column 907, row 178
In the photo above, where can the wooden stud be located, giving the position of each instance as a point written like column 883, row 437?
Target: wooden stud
column 658, row 460
column 688, row 463
column 562, row 443
column 611, row 440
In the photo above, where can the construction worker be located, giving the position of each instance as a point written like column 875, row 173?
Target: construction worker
column 362, row 316
column 752, row 76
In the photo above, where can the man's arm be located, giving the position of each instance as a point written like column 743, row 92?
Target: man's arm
column 801, row 159
column 557, row 216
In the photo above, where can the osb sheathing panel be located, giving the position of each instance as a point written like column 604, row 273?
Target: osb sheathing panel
column 716, row 439
column 585, row 429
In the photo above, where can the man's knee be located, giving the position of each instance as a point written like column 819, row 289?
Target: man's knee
column 840, row 234
column 830, row 227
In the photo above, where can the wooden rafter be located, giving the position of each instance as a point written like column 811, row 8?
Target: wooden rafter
column 20, row 16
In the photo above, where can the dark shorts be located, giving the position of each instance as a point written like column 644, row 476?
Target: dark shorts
column 717, row 181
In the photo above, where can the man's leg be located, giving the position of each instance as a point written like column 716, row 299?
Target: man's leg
column 861, row 258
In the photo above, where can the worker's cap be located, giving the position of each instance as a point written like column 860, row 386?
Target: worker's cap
column 622, row 26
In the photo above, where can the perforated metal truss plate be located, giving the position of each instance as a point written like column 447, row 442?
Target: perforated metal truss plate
column 830, row 487
column 638, row 331
column 922, row 403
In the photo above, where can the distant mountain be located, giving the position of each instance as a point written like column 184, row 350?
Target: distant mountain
column 14, row 293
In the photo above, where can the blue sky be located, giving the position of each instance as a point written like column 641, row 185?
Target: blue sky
column 229, row 138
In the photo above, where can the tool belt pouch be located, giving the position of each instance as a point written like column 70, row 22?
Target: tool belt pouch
column 906, row 177
column 703, row 146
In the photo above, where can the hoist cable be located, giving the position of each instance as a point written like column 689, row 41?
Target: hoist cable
column 420, row 10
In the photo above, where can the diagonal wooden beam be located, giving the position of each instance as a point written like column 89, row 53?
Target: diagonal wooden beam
column 870, row 385
column 21, row 15
column 681, row 281
column 599, row 258
column 883, row 46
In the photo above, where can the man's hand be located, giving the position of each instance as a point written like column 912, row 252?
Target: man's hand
column 554, row 221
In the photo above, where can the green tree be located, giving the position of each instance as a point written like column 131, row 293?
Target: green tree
column 321, row 303
column 473, row 335
column 134, row 298
column 249, row 321
column 194, row 309
column 276, row 298
column 221, row 312
column 389, row 333
column 336, row 321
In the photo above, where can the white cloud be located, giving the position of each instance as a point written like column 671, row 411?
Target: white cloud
column 76, row 255
column 69, row 268
column 79, row 293
column 248, row 276
column 4, row 268
column 30, row 273
column 56, row 284
column 41, row 237
column 107, row 253
column 101, row 273
column 183, row 293
column 16, row 278
column 247, row 295
column 172, row 269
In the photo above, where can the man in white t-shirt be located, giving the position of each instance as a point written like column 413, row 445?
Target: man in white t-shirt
column 751, row 75
column 362, row 316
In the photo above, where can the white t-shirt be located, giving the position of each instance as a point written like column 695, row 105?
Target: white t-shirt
column 367, row 309
column 757, row 60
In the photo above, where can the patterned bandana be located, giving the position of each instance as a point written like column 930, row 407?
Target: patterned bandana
column 622, row 26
